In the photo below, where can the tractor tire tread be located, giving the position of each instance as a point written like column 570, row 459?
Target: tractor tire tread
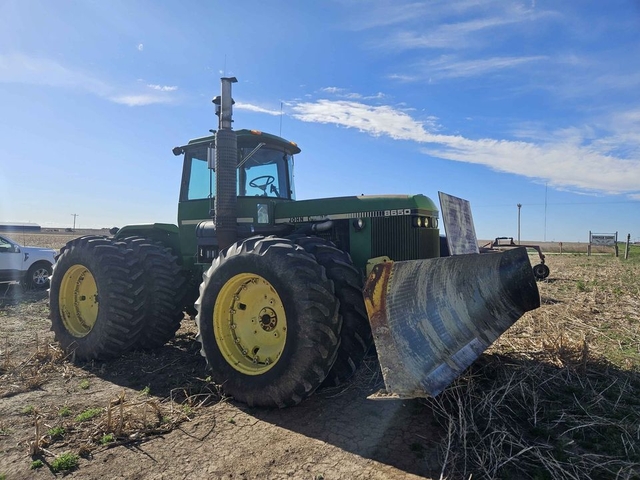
column 355, row 337
column 313, row 332
column 120, row 287
column 164, row 289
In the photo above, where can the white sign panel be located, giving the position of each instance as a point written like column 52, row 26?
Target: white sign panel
column 458, row 224
column 608, row 240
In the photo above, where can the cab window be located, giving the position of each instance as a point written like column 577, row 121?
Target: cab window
column 201, row 179
column 265, row 174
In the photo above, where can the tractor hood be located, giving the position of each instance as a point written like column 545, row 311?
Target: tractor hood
column 363, row 206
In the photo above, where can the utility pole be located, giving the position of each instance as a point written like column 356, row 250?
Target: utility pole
column 519, row 207
column 74, row 215
column 546, row 188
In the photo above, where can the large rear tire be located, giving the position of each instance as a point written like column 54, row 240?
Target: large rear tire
column 268, row 322
column 164, row 290
column 355, row 336
column 96, row 298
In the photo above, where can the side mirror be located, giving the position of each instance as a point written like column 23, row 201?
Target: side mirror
column 211, row 157
column 16, row 249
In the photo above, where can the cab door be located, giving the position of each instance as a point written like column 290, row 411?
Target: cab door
column 10, row 260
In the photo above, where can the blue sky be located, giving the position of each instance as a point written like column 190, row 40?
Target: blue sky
column 499, row 102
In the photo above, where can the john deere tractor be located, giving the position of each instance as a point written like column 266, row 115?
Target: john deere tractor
column 278, row 285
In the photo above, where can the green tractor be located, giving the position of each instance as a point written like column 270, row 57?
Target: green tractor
column 278, row 285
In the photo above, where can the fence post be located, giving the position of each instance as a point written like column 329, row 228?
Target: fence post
column 626, row 250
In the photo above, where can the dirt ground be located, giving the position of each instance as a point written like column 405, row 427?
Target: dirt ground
column 336, row 434
column 158, row 416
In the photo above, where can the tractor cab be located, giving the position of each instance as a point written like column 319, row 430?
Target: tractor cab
column 264, row 177
column 265, row 167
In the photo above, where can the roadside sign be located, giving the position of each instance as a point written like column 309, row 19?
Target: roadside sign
column 604, row 239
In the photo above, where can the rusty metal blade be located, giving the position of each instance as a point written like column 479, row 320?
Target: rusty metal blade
column 433, row 318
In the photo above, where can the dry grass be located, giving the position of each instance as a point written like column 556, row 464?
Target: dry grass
column 51, row 238
column 125, row 419
column 559, row 395
column 98, row 422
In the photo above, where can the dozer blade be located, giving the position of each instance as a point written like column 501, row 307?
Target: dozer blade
column 433, row 318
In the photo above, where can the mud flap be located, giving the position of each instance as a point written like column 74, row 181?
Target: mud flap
column 433, row 318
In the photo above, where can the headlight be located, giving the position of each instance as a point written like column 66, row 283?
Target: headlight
column 358, row 224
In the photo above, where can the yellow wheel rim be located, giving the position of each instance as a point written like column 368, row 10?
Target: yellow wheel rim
column 249, row 324
column 78, row 300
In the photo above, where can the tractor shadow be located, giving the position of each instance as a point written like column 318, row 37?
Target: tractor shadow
column 402, row 434
column 409, row 435
column 176, row 370
column 399, row 433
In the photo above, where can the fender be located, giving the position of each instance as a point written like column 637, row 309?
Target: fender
column 165, row 233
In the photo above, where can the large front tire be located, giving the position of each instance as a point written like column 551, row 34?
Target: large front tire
column 268, row 322
column 96, row 298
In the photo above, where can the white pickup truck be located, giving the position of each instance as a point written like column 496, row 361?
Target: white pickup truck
column 31, row 266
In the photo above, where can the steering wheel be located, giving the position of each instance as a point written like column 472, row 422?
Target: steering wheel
column 268, row 180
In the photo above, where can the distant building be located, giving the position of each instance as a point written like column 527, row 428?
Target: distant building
column 20, row 227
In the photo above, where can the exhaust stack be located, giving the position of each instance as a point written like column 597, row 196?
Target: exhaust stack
column 226, row 161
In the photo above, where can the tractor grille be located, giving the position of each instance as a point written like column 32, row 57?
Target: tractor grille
column 398, row 239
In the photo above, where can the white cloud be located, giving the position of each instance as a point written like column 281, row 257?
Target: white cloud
column 255, row 108
column 19, row 68
column 387, row 14
column 446, row 25
column 140, row 100
column 404, row 77
column 163, row 88
column 447, row 67
column 448, row 36
column 23, row 69
column 570, row 159
column 332, row 89
column 344, row 93
column 140, row 47
column 377, row 121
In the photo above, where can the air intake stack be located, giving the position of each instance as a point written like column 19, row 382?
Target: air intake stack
column 226, row 161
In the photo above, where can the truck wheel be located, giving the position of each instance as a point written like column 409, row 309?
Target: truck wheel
column 268, row 322
column 96, row 298
column 164, row 289
column 37, row 277
column 355, row 337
